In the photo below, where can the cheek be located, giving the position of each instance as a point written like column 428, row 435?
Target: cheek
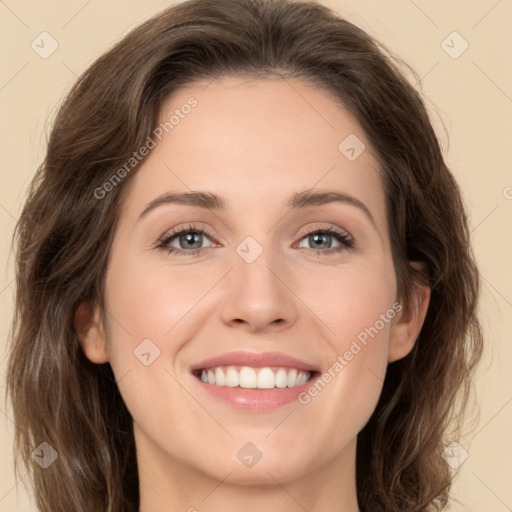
column 351, row 301
column 147, row 317
column 153, row 314
column 150, row 302
column 362, row 319
column 358, row 308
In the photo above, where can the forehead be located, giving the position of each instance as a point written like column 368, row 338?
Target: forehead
column 256, row 142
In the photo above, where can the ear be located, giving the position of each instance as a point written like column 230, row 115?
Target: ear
column 90, row 333
column 408, row 323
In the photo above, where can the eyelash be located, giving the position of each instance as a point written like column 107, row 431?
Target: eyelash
column 345, row 240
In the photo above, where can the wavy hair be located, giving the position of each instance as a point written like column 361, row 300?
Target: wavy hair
column 63, row 238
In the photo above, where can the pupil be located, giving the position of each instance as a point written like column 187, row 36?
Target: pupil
column 318, row 238
column 190, row 239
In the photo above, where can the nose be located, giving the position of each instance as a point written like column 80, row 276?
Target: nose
column 257, row 295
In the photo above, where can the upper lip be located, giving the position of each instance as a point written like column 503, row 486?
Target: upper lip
column 256, row 360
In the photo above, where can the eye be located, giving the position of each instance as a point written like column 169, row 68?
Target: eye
column 189, row 241
column 323, row 238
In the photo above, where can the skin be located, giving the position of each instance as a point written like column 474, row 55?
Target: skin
column 255, row 143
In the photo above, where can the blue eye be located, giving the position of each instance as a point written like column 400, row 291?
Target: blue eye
column 188, row 238
column 320, row 235
column 190, row 241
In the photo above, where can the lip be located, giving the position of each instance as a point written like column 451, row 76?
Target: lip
column 255, row 360
column 256, row 400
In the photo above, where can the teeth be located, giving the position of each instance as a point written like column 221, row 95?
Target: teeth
column 248, row 378
column 281, row 378
column 292, row 378
column 255, row 378
column 232, row 378
column 266, row 378
column 220, row 379
column 302, row 379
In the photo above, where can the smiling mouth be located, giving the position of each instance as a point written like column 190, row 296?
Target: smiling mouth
column 247, row 377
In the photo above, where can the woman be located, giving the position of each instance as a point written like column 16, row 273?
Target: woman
column 182, row 339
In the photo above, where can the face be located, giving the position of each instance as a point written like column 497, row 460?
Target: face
column 275, row 279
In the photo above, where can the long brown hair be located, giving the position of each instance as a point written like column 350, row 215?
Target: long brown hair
column 63, row 238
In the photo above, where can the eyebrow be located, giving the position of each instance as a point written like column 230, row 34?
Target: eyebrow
column 299, row 200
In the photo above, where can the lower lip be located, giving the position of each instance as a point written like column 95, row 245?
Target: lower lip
column 255, row 399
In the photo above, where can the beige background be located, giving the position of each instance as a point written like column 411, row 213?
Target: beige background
column 471, row 95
